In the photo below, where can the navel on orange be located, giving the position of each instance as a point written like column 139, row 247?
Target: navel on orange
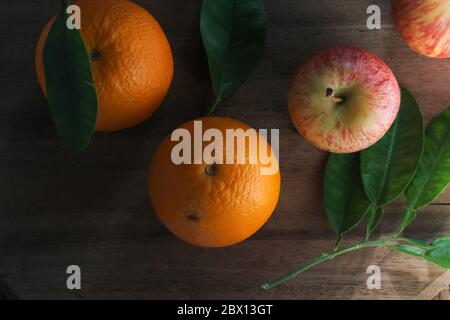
column 213, row 205
column 131, row 61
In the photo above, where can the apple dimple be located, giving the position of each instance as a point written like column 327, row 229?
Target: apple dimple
column 344, row 99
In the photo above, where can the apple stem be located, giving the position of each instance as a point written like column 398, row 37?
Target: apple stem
column 330, row 94
column 336, row 99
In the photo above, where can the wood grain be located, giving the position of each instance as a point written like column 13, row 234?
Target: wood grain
column 58, row 207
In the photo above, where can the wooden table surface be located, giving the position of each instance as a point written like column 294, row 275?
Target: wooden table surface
column 59, row 207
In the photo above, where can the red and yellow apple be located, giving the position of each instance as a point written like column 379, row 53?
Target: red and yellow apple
column 424, row 25
column 343, row 99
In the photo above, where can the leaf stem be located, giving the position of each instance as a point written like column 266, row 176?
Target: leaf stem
column 215, row 105
column 408, row 217
column 326, row 257
column 338, row 242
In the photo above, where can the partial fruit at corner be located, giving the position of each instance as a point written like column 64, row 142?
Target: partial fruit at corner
column 131, row 61
column 343, row 99
column 213, row 205
column 424, row 25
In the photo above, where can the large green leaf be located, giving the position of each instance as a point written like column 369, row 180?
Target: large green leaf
column 70, row 88
column 433, row 174
column 374, row 216
column 408, row 217
column 389, row 166
column 234, row 33
column 439, row 256
column 441, row 242
column 345, row 201
column 437, row 252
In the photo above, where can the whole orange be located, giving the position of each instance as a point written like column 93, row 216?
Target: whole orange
column 213, row 205
column 131, row 61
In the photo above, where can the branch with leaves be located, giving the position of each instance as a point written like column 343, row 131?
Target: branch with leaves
column 408, row 161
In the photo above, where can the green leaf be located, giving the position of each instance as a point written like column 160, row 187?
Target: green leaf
column 345, row 201
column 439, row 256
column 233, row 33
column 437, row 252
column 70, row 88
column 433, row 174
column 410, row 249
column 374, row 216
column 389, row 166
column 441, row 242
column 407, row 219
column 417, row 242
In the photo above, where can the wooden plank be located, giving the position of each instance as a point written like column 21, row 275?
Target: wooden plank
column 437, row 288
column 58, row 207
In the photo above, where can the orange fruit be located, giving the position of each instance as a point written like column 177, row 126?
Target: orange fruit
column 131, row 61
column 213, row 205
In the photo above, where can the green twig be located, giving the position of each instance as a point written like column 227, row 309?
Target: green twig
column 326, row 257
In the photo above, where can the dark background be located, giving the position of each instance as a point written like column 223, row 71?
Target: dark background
column 59, row 207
